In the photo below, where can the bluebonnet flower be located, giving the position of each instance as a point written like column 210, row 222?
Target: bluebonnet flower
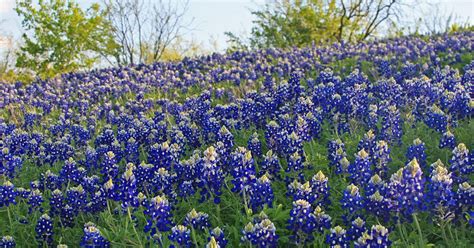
column 44, row 230
column 8, row 194
column 144, row 174
column 406, row 189
column 321, row 219
column 391, row 124
column 302, row 129
column 447, row 140
column 291, row 143
column 300, row 191
column 302, row 222
column 271, row 164
column 254, row 145
column 464, row 197
column 243, row 171
column 337, row 238
column 360, row 171
column 23, row 193
column 219, row 238
column 67, row 215
column 178, row 138
column 70, row 172
column 436, row 119
column 128, row 187
column 97, row 202
column 181, row 235
column 261, row 193
column 320, row 189
column 381, row 158
column 187, row 170
column 7, row 242
column 163, row 181
column 91, row 158
column 212, row 177
column 314, row 125
column 77, row 198
column 197, row 220
column 351, row 201
column 111, row 190
column 378, row 237
column 56, row 202
column 295, row 163
column 9, row 163
column 224, row 155
column 461, row 164
column 226, row 137
column 109, row 167
column 418, row 151
column 261, row 234
column 343, row 125
column 342, row 165
column 378, row 205
column 212, row 243
column 470, row 218
column 186, row 189
column 131, row 151
column 372, row 117
column 158, row 212
column 357, row 229
column 375, row 184
column 50, row 180
column 440, row 194
column 336, row 152
column 35, row 199
column 160, row 156
column 368, row 143
column 92, row 237
column 271, row 135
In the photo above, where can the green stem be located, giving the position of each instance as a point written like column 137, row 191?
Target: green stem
column 193, row 234
column 219, row 212
column 450, row 232
column 9, row 217
column 445, row 237
column 134, row 229
column 417, row 224
column 108, row 208
column 247, row 212
column 399, row 226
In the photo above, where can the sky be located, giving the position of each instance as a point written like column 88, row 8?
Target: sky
column 211, row 18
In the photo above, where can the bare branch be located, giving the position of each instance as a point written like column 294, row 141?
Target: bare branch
column 145, row 29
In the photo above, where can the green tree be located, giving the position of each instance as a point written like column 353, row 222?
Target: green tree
column 286, row 23
column 61, row 37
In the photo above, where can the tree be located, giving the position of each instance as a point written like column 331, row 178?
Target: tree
column 7, row 52
column 362, row 18
column 299, row 23
column 61, row 37
column 143, row 29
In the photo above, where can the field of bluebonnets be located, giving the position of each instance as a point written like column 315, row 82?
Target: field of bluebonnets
column 365, row 145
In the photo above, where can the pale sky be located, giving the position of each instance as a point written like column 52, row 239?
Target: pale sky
column 214, row 17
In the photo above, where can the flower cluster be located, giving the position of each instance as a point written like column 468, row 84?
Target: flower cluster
column 142, row 143
column 261, row 233
column 92, row 237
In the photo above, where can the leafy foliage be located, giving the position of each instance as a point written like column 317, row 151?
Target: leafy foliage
column 62, row 37
column 302, row 23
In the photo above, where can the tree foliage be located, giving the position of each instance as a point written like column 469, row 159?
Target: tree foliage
column 285, row 23
column 61, row 37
